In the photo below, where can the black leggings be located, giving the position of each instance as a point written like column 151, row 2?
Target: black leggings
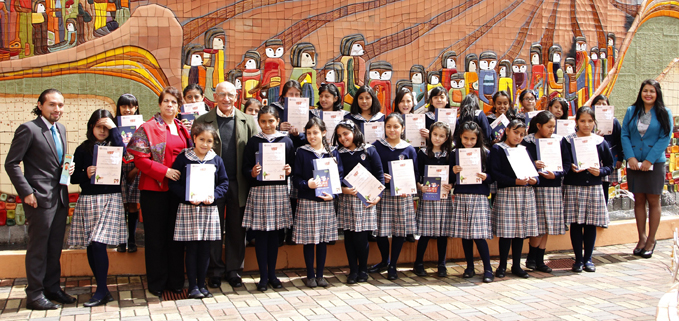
column 516, row 245
column 97, row 257
column 441, row 246
column 266, row 248
column 321, row 252
column 396, row 246
column 197, row 260
column 484, row 253
column 357, row 247
column 581, row 233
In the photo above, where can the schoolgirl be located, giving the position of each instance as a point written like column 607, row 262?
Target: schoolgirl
column 128, row 105
column 193, row 93
column 528, row 101
column 501, row 105
column 558, row 107
column 404, row 103
column 315, row 222
column 514, row 215
column 548, row 193
column 433, row 217
column 471, row 212
column 365, row 108
column 438, row 98
column 356, row 219
column 198, row 221
column 395, row 214
column 267, row 211
column 252, row 107
column 98, row 219
column 470, row 111
column 614, row 144
column 329, row 100
column 584, row 207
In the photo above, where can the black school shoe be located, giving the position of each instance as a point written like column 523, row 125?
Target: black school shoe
column 379, row 267
column 418, row 269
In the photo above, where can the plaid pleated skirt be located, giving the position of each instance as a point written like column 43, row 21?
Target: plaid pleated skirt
column 98, row 218
column 433, row 217
column 585, row 205
column 613, row 178
column 493, row 187
column 549, row 201
column 396, row 216
column 268, row 208
column 354, row 216
column 471, row 217
column 197, row 223
column 315, row 222
column 293, row 189
column 130, row 190
column 514, row 214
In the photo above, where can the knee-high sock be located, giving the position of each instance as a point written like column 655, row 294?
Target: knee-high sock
column 421, row 248
column 576, row 241
column 505, row 245
column 396, row 245
column 272, row 250
column 321, row 252
column 605, row 185
column 309, row 260
column 90, row 260
column 484, row 253
column 132, row 219
column 442, row 246
column 468, row 248
column 362, row 246
column 350, row 248
column 203, row 261
column 101, row 263
column 190, row 261
column 383, row 245
column 262, row 253
column 590, row 239
column 517, row 248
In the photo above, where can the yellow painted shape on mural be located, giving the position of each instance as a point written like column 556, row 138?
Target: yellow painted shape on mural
column 140, row 70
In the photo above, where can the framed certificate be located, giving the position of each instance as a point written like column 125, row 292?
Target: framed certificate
column 127, row 125
column 549, row 152
column 373, row 131
column 497, row 128
column 585, row 154
column 432, row 189
column 331, row 119
column 565, row 127
column 109, row 162
column 415, row 122
column 604, row 119
column 521, row 163
column 333, row 172
column 200, row 182
column 65, row 177
column 470, row 161
column 198, row 108
column 367, row 186
column 402, row 177
column 448, row 116
column 296, row 112
column 272, row 158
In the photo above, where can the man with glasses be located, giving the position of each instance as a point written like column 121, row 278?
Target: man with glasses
column 234, row 128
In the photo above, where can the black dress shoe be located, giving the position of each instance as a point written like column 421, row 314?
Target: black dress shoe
column 543, row 268
column 468, row 273
column 262, row 286
column 418, row 269
column 177, row 291
column 362, row 277
column 351, row 278
column 60, row 297
column 442, row 271
column 379, row 267
column 647, row 254
column 520, row 272
column 195, row 294
column 236, row 282
column 215, row 282
column 132, row 248
column 276, row 283
column 205, row 292
column 488, row 276
column 637, row 251
column 392, row 274
column 500, row 272
column 410, row 238
column 157, row 293
column 589, row 266
column 42, row 304
column 93, row 303
column 121, row 247
column 577, row 267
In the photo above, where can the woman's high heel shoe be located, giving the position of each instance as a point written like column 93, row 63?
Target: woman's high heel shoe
column 647, row 254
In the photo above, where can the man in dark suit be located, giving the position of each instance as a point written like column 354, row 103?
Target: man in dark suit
column 41, row 144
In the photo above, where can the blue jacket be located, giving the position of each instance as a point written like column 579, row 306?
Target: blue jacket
column 652, row 146
column 188, row 157
column 303, row 170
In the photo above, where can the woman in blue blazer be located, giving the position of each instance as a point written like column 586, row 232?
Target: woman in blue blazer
column 646, row 132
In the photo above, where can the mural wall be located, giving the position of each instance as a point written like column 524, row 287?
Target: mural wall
column 96, row 50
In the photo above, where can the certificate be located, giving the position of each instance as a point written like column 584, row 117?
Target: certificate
column 272, row 158
column 432, row 189
column 415, row 122
column 109, row 162
column 329, row 164
column 497, row 128
column 187, row 119
column 367, row 186
column 521, row 163
column 549, row 152
column 628, row 166
column 373, row 131
column 65, row 178
column 402, row 177
column 448, row 116
column 322, row 178
column 470, row 161
column 604, row 119
column 530, row 115
column 585, row 154
column 442, row 171
column 565, row 127
column 200, row 182
column 331, row 119
column 296, row 112
column 127, row 125
column 198, row 108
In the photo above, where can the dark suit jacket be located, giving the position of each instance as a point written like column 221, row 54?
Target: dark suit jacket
column 34, row 146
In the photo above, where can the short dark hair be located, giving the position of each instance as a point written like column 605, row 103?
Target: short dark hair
column 199, row 128
column 193, row 87
column 173, row 92
column 43, row 98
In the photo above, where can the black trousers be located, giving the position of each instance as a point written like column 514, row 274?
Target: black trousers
column 164, row 257
column 233, row 237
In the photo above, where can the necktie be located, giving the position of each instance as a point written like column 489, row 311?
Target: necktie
column 57, row 142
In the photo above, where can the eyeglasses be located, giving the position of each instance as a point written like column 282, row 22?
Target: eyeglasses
column 529, row 99
column 223, row 95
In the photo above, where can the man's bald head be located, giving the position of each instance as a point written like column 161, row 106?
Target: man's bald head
column 225, row 97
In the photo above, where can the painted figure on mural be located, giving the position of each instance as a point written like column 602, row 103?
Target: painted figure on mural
column 471, row 78
column 235, row 77
column 303, row 59
column 379, row 79
column 417, row 74
column 603, row 58
column 274, row 70
column 487, row 78
column 55, row 22
column 570, row 85
column 215, row 42
column 596, row 69
column 193, row 71
column 23, row 37
column 554, row 72
column 505, row 83
column 333, row 73
column 433, row 81
column 457, row 90
column 251, row 75
column 610, row 49
column 520, row 77
column 122, row 13
column 538, row 73
column 448, row 68
column 352, row 50
column 583, row 70
column 4, row 31
column 100, row 9
column 71, row 37
column 39, row 21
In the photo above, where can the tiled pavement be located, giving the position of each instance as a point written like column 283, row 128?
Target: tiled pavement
column 624, row 287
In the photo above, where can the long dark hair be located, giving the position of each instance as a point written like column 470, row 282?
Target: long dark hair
column 286, row 87
column 447, row 145
column 541, row 118
column 513, row 124
column 332, row 89
column 585, row 110
column 436, row 92
column 399, row 119
column 127, row 100
column 91, row 139
column 41, row 100
column 598, row 99
column 349, row 124
column 564, row 106
column 660, row 111
column 193, row 87
column 399, row 97
column 468, row 108
column 315, row 121
column 526, row 92
column 473, row 127
column 510, row 110
column 374, row 109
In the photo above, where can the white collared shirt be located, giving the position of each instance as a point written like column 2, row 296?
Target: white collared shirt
column 49, row 125
column 221, row 114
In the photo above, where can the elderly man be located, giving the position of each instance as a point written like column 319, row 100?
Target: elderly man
column 234, row 128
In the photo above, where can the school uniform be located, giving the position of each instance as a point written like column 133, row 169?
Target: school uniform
column 471, row 211
column 395, row 214
column 268, row 206
column 548, row 194
column 318, row 111
column 434, row 217
column 129, row 189
column 198, row 222
column 514, row 211
column 353, row 214
column 429, row 119
column 615, row 145
column 360, row 121
column 315, row 221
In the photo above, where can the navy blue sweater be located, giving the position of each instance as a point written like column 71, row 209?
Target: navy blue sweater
column 614, row 143
column 250, row 158
column 366, row 156
column 584, row 178
column 423, row 160
column 304, row 170
column 178, row 188
column 480, row 189
column 83, row 159
column 531, row 146
column 359, row 120
column 401, row 152
column 501, row 170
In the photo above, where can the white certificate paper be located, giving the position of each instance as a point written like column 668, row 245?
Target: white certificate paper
column 200, row 182
column 109, row 161
column 521, row 163
column 604, row 119
column 442, row 171
column 197, row 108
column 130, row 120
column 331, row 119
column 367, row 186
column 415, row 122
column 273, row 161
column 448, row 116
column 565, row 127
column 373, row 131
column 297, row 112
column 585, row 154
column 402, row 177
column 549, row 152
column 470, row 161
column 329, row 164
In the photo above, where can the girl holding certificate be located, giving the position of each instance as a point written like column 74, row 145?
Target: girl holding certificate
column 315, row 222
column 433, row 217
column 328, row 100
column 527, row 101
column 365, row 108
column 646, row 132
column 99, row 218
column 395, row 214
column 438, row 98
column 356, row 219
column 614, row 143
column 470, row 111
column 501, row 106
column 584, row 207
column 198, row 218
column 514, row 215
column 404, row 103
column 548, row 194
column 471, row 211
column 128, row 105
column 267, row 211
